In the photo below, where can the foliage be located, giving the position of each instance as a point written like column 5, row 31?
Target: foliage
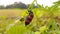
column 46, row 21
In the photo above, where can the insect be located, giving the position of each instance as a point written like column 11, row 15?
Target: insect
column 29, row 17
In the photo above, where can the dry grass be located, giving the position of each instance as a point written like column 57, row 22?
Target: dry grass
column 10, row 12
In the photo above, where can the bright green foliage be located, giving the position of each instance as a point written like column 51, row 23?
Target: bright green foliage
column 44, row 22
column 37, row 32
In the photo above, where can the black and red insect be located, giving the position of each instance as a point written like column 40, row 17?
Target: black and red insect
column 29, row 17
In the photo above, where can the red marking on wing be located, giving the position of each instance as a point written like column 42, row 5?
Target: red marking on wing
column 27, row 21
column 29, row 17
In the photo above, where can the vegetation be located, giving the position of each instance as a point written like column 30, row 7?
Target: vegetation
column 46, row 20
column 18, row 5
